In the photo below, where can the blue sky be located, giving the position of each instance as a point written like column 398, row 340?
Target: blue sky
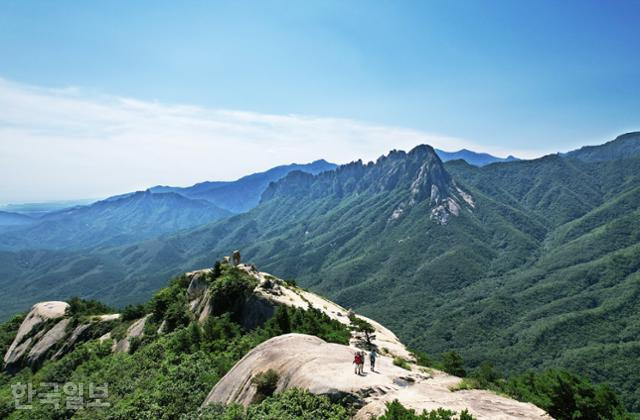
column 521, row 77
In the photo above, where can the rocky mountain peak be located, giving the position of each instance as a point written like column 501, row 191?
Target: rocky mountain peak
column 431, row 183
column 419, row 174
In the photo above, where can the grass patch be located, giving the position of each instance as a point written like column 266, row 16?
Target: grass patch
column 266, row 384
column 400, row 362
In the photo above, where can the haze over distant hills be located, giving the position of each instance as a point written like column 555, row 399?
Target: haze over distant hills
column 243, row 194
column 39, row 209
column 13, row 219
column 133, row 217
column 472, row 158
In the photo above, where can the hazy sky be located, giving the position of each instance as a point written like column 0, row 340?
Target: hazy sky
column 98, row 98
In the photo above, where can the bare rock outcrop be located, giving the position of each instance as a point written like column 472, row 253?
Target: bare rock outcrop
column 283, row 294
column 199, row 294
column 135, row 330
column 236, row 257
column 308, row 362
column 197, row 285
column 16, row 352
column 48, row 340
column 301, row 361
column 71, row 341
column 39, row 313
column 48, row 332
column 256, row 311
column 272, row 292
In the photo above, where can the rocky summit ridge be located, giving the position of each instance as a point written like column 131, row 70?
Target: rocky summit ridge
column 301, row 361
column 419, row 176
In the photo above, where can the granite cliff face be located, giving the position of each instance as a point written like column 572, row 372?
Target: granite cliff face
column 48, row 332
column 28, row 335
column 418, row 176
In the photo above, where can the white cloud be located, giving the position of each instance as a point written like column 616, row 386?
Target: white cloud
column 68, row 143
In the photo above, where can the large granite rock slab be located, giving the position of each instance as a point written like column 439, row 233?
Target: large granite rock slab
column 308, row 362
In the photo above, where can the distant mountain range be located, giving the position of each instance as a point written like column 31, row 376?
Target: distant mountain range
column 525, row 263
column 137, row 216
column 132, row 218
column 9, row 219
column 39, row 209
column 624, row 146
column 472, row 158
column 243, row 194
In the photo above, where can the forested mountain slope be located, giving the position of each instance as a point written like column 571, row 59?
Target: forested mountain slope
column 472, row 158
column 528, row 264
column 243, row 194
column 127, row 219
column 622, row 147
column 137, row 216
column 11, row 220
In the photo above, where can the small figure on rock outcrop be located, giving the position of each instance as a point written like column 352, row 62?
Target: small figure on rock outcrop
column 372, row 357
column 226, row 259
column 357, row 360
column 236, row 257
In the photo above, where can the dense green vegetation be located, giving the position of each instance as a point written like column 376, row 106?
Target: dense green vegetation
column 400, row 362
column 564, row 395
column 170, row 370
column 452, row 363
column 544, row 271
column 293, row 404
column 296, row 404
column 8, row 331
column 168, row 375
column 396, row 411
column 82, row 307
column 265, row 383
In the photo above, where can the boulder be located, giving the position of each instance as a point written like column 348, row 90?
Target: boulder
column 49, row 340
column 107, row 317
column 197, row 286
column 39, row 313
column 13, row 357
column 236, row 257
column 202, row 309
column 135, row 330
column 71, row 341
column 308, row 362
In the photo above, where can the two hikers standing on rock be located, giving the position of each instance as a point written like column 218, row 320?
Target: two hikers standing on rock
column 358, row 360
